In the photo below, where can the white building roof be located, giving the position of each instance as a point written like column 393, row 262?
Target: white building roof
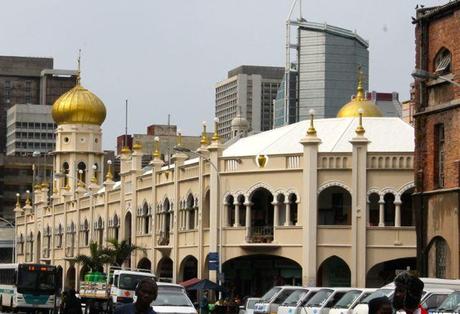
column 385, row 135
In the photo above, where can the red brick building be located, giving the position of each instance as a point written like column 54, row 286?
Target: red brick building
column 437, row 141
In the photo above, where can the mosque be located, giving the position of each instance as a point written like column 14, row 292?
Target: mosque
column 322, row 202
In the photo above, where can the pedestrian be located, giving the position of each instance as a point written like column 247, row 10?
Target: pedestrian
column 204, row 303
column 380, row 305
column 408, row 294
column 146, row 292
column 70, row 303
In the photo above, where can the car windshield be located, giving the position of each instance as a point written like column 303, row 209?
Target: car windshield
column 451, row 302
column 36, row 281
column 347, row 300
column 377, row 294
column 129, row 281
column 269, row 294
column 320, row 298
column 171, row 296
column 295, row 297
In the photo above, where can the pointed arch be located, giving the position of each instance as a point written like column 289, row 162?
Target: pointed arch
column 257, row 186
column 333, row 183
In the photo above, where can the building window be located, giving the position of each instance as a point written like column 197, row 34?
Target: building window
column 442, row 62
column 439, row 155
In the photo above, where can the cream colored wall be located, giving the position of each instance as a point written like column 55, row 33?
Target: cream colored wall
column 382, row 243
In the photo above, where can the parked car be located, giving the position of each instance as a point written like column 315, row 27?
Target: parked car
column 350, row 300
column 431, row 292
column 297, row 299
column 248, row 306
column 451, row 304
column 324, row 300
column 272, row 299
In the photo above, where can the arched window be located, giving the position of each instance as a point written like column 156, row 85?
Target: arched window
column 116, row 226
column 86, row 233
column 374, row 199
column 100, row 231
column 442, row 62
column 146, row 218
column 190, row 212
column 82, row 166
column 65, row 170
column 30, row 251
column 334, row 206
column 389, row 209
column 58, row 238
column 229, row 202
column 293, row 208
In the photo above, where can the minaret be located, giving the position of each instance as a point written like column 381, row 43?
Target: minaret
column 79, row 115
column 239, row 125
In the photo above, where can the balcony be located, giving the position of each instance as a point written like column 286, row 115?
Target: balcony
column 163, row 239
column 260, row 234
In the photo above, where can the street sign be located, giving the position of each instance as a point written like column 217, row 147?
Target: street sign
column 213, row 261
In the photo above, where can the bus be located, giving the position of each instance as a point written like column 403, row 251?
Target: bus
column 29, row 287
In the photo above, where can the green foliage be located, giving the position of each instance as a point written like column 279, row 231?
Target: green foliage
column 97, row 258
column 120, row 251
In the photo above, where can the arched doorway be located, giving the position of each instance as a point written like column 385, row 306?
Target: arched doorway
column 70, row 277
column 144, row 264
column 334, row 272
column 189, row 268
column 253, row 275
column 165, row 269
column 261, row 228
column 334, row 206
column 438, row 257
column 385, row 272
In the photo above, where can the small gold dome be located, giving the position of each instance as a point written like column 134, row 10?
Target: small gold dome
column 78, row 106
column 351, row 109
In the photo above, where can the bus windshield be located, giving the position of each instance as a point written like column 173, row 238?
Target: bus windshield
column 33, row 279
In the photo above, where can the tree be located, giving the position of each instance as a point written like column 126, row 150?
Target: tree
column 120, row 251
column 97, row 258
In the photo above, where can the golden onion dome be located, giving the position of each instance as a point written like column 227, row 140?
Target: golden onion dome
column 78, row 106
column 352, row 109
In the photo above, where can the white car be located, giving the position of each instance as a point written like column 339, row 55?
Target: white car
column 172, row 299
column 350, row 299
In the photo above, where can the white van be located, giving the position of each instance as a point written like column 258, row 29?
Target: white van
column 431, row 286
column 324, row 300
column 297, row 299
column 272, row 299
column 450, row 305
column 350, row 300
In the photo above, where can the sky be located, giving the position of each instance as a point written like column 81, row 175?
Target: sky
column 165, row 56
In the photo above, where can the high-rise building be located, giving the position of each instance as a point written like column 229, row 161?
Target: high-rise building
column 30, row 128
column 325, row 71
column 253, row 89
column 27, row 80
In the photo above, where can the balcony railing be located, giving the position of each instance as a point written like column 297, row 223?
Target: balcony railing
column 260, row 234
column 163, row 239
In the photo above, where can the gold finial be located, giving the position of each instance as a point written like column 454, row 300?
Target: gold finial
column 215, row 136
column 179, row 138
column 360, row 130
column 28, row 198
column 79, row 67
column 204, row 137
column 156, row 143
column 137, row 146
column 18, row 200
column 311, row 130
column 80, row 183
column 109, row 175
column 125, row 150
column 360, row 89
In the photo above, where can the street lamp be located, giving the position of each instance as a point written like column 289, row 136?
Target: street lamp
column 9, row 223
column 425, row 75
column 197, row 154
